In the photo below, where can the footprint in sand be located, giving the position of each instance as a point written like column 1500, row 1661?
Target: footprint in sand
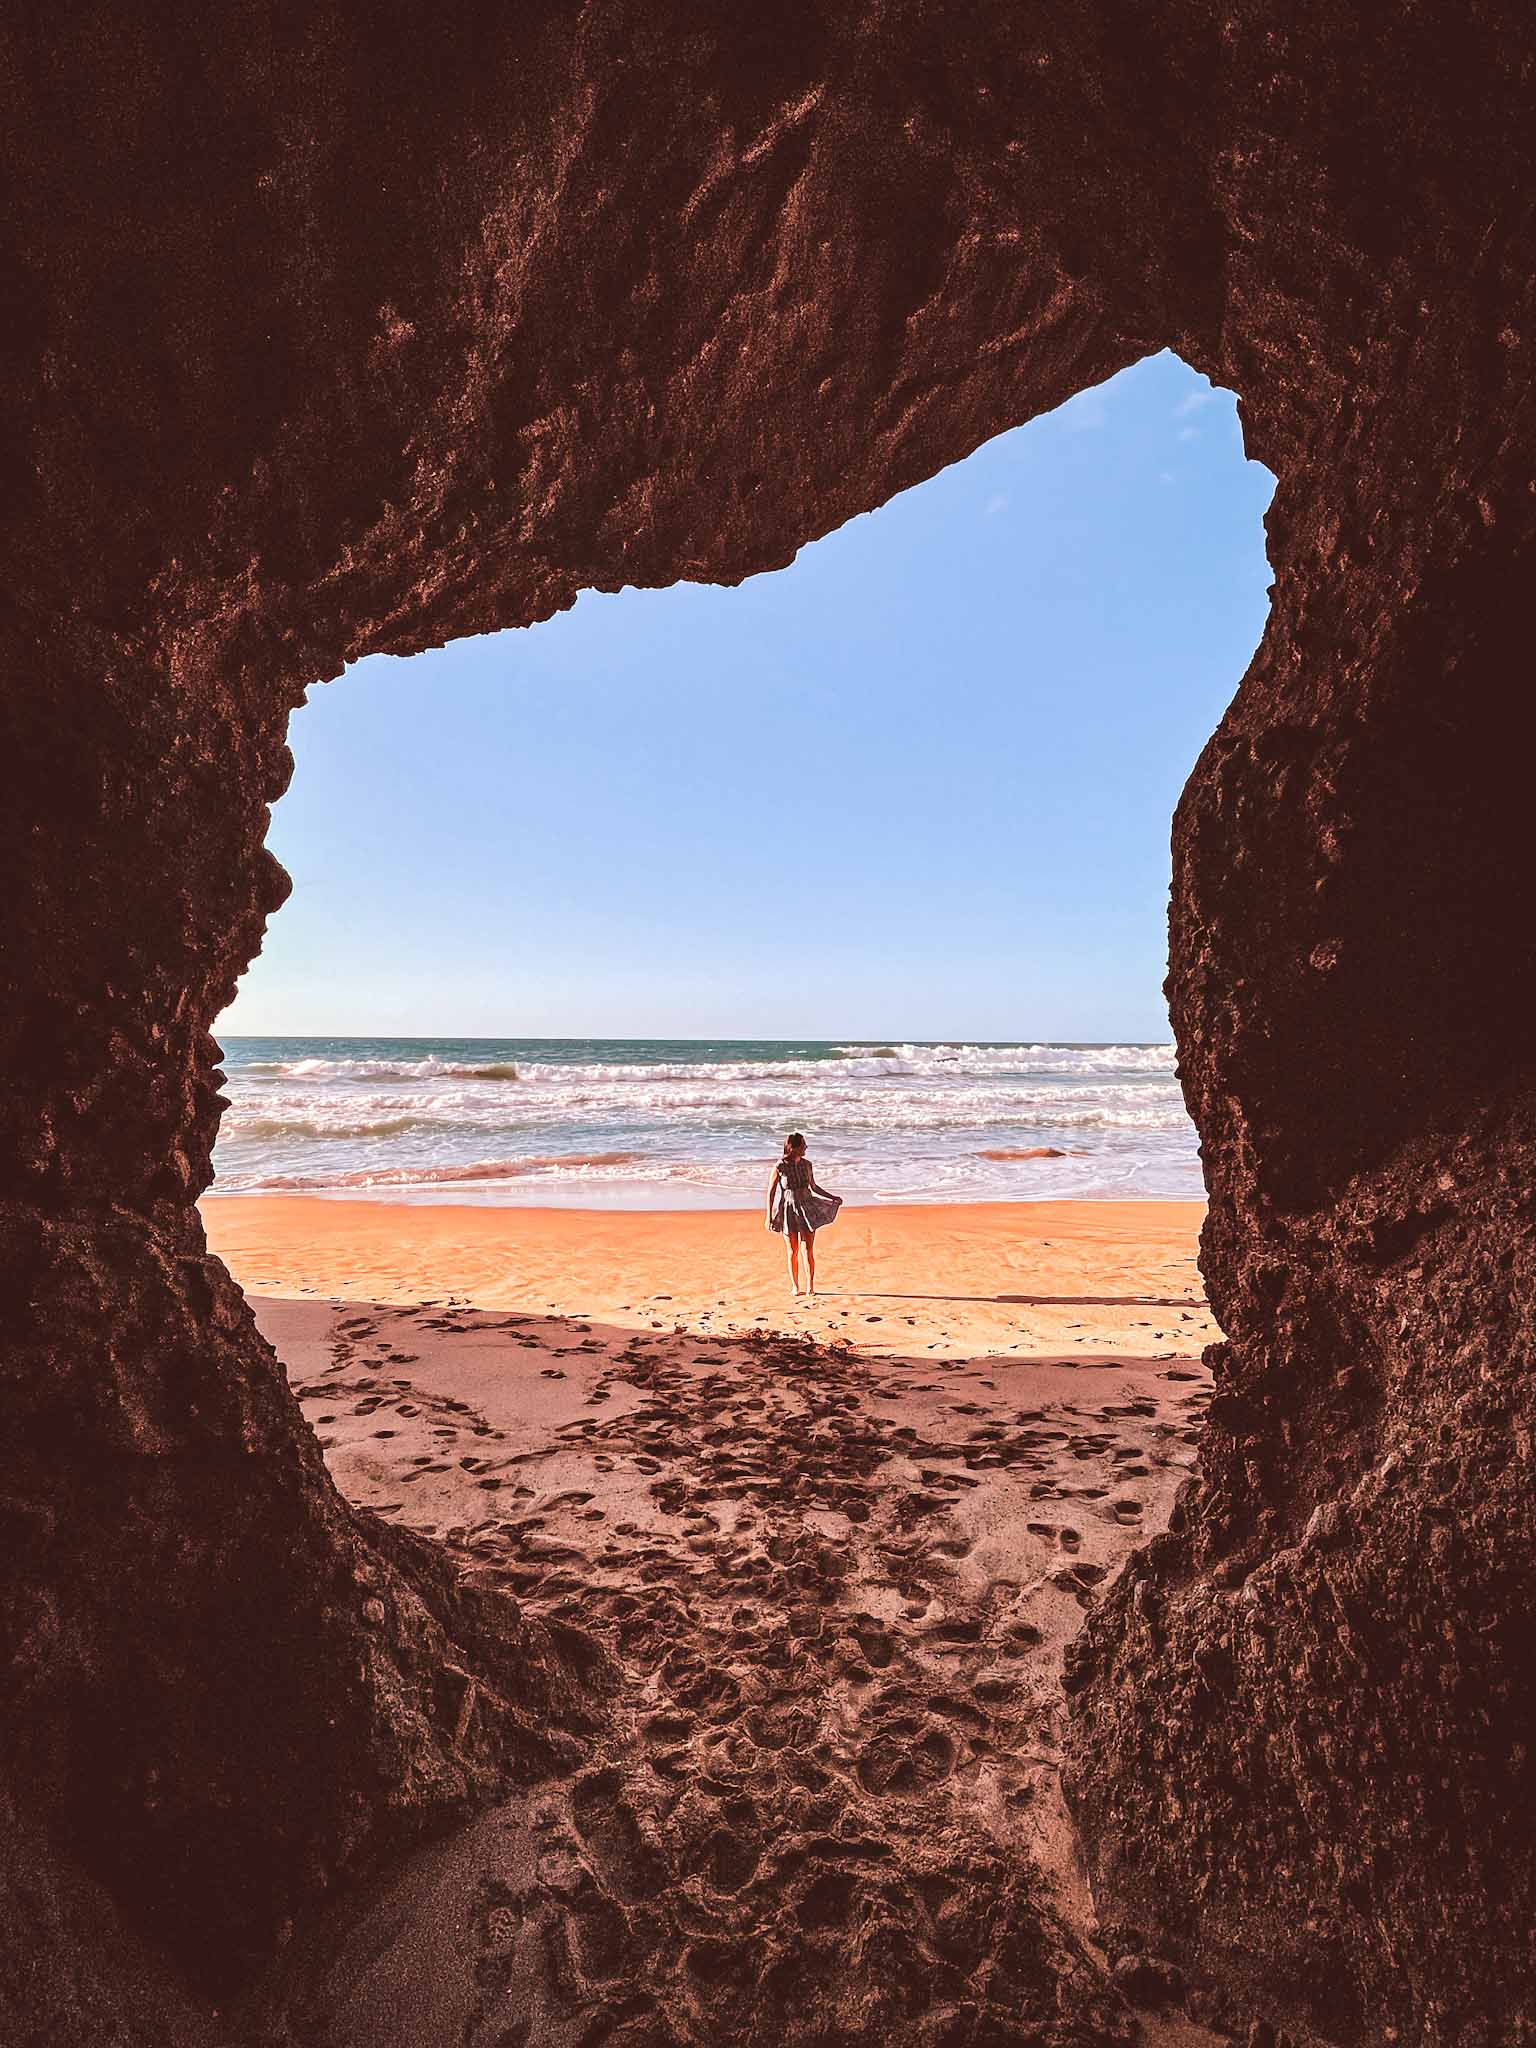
column 731, row 1858
column 1019, row 1638
column 877, row 1647
column 624, row 1862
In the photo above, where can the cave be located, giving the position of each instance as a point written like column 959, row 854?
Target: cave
column 330, row 338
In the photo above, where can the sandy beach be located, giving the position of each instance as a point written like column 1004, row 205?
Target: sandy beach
column 835, row 1548
column 1018, row 1279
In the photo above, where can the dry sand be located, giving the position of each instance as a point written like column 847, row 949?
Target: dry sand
column 837, row 1575
column 1027, row 1279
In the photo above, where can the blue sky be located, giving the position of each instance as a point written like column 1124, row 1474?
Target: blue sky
column 917, row 785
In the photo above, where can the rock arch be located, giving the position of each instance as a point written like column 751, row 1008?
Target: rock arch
column 330, row 337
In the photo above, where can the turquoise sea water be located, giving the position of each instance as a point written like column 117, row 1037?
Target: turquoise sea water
column 661, row 1123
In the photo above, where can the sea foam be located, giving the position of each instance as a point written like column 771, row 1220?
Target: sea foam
column 664, row 1121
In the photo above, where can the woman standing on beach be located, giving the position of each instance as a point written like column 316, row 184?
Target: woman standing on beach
column 797, row 1209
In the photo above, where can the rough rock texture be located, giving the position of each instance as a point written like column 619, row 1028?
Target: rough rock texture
column 1306, row 1718
column 223, row 1685
column 330, row 332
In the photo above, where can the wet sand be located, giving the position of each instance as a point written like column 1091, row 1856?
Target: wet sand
column 836, row 1561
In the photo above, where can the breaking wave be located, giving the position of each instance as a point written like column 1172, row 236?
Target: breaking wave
column 433, row 1176
column 645, row 1120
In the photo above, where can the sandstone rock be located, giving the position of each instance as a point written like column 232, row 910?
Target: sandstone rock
column 1147, row 1982
column 332, row 335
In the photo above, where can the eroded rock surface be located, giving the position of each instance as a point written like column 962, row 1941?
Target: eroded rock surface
column 334, row 333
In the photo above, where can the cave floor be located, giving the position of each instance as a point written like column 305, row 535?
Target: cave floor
column 838, row 1586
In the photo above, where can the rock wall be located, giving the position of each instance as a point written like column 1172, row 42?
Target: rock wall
column 334, row 333
column 1304, row 1719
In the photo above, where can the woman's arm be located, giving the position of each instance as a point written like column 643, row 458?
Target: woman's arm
column 816, row 1189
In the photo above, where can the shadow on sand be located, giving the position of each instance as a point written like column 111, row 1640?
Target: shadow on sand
column 1034, row 1300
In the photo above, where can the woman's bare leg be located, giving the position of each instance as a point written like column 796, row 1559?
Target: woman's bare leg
column 792, row 1253
column 810, row 1264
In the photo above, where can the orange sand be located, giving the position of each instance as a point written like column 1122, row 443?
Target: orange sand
column 1033, row 1278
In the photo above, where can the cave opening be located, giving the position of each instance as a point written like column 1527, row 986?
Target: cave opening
column 973, row 709
column 973, row 717
column 977, row 705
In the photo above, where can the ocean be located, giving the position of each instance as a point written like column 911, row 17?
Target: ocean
column 672, row 1124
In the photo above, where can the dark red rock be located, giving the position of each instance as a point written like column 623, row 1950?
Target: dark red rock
column 1146, row 1981
column 331, row 333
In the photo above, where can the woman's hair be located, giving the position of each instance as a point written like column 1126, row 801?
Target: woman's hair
column 793, row 1143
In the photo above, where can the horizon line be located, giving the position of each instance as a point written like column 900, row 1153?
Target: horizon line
column 710, row 1038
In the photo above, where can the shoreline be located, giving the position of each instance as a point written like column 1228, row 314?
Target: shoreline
column 687, row 1124
column 428, row 1195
